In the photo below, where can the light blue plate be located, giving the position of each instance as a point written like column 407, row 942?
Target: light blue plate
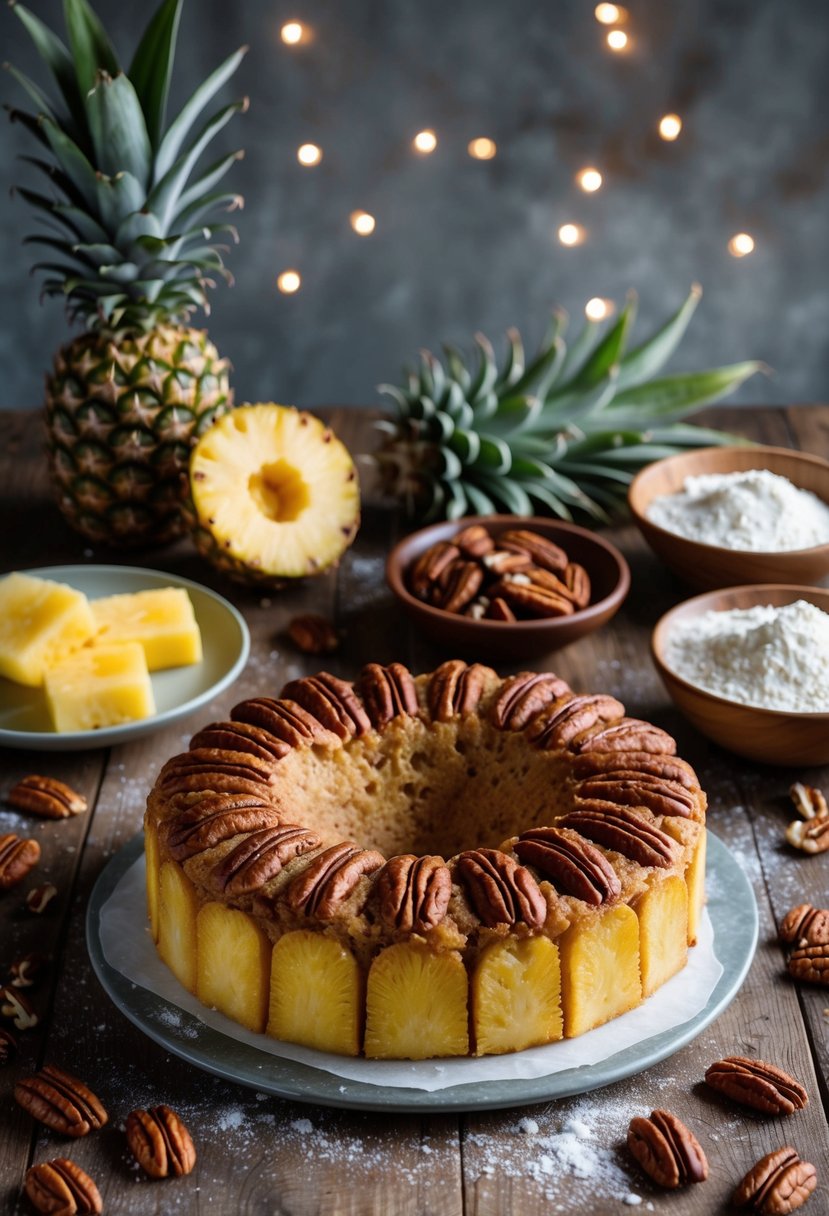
column 24, row 715
column 734, row 919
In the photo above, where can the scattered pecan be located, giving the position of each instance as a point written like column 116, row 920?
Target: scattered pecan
column 756, row 1083
column 667, row 1150
column 160, row 1142
column 634, row 764
column 499, row 610
column 810, row 964
column 428, row 568
column 27, row 970
column 525, row 695
column 533, row 600
column 39, row 898
column 474, row 541
column 260, row 857
column 62, row 1188
column 624, row 831
column 204, row 824
column 332, row 701
column 564, row 719
column 501, row 891
column 658, row 795
column 17, row 858
column 313, row 634
column 544, row 552
column 779, row 1183
column 240, row 737
column 18, row 1009
column 47, row 797
column 413, row 892
column 8, row 1046
column 629, row 735
column 60, row 1101
column 575, row 867
column 462, row 585
column 284, row 719
column 809, row 835
column 387, row 692
column 805, row 926
column 809, row 802
column 331, row 877
column 455, row 689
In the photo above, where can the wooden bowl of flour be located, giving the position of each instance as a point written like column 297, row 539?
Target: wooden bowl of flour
column 772, row 736
column 708, row 566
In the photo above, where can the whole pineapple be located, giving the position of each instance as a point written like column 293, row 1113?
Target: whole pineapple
column 563, row 434
column 132, row 248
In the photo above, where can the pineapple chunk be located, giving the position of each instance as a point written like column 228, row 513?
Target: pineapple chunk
column 663, row 931
column 151, row 863
column 233, row 958
column 600, row 969
column 516, row 996
column 316, row 993
column 162, row 621
column 41, row 622
column 100, row 686
column 177, row 908
column 416, row 1004
column 695, row 878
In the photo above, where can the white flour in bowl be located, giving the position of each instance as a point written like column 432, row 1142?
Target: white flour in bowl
column 754, row 510
column 775, row 658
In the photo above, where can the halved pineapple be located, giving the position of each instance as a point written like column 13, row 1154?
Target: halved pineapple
column 663, row 931
column 600, row 969
column 516, row 996
column 177, row 908
column 416, row 1004
column 316, row 995
column 161, row 620
column 99, row 686
column 233, row 959
column 695, row 879
column 274, row 495
column 41, row 622
column 151, row 863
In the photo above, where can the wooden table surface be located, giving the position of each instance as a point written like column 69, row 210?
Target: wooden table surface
column 260, row 1154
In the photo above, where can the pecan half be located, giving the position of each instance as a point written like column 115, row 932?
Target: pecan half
column 60, row 1101
column 499, row 610
column 26, row 971
column 240, row 737
column 8, row 1046
column 205, row 824
column 543, row 552
column 455, row 689
column 506, row 561
column 757, row 1084
column 575, row 867
column 623, row 831
column 629, row 735
column 47, row 797
column 633, row 764
column 332, row 701
column 577, row 581
column 779, row 1183
column 260, row 857
column 500, row 890
column 313, row 634
column 463, row 582
column 331, row 877
column 810, row 964
column 474, row 541
column 806, row 926
column 413, row 892
column 564, row 719
column 39, row 898
column 427, row 569
column 62, row 1188
column 215, row 762
column 658, row 795
column 809, row 835
column 667, row 1150
column 387, row 692
column 525, row 695
column 18, row 1009
column 160, row 1142
column 809, row 802
column 17, row 858
column 533, row 600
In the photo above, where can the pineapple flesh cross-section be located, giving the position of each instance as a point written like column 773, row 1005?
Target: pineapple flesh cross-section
column 663, row 931
column 316, row 996
column 600, row 969
column 233, row 958
column 516, row 996
column 416, row 1004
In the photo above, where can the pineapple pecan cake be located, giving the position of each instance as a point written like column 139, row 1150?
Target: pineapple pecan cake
column 411, row 867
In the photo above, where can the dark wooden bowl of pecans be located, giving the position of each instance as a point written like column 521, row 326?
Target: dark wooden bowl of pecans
column 504, row 587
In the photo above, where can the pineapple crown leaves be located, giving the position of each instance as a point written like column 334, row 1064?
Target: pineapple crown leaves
column 563, row 432
column 131, row 225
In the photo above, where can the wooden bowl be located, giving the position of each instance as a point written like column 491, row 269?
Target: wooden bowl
column 710, row 566
column 486, row 640
column 769, row 735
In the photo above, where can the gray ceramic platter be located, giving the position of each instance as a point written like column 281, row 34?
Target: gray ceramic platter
column 733, row 913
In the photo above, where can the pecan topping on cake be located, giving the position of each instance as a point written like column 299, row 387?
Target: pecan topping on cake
column 659, row 796
column 160, row 1142
column 805, row 926
column 455, row 689
column 204, row 824
column 632, row 764
column 629, row 735
column 543, row 552
column 757, row 1084
column 260, row 857
column 474, row 541
column 60, row 1101
column 667, row 1150
column 285, row 720
column 331, row 878
column 430, row 566
column 17, row 858
column 569, row 715
column 63, row 1188
column 332, row 701
column 240, row 737
column 413, row 892
column 214, row 769
column 623, row 831
column 47, row 797
column 810, row 964
column 575, row 867
column 501, row 891
column 525, row 695
column 778, row 1184
column 387, row 692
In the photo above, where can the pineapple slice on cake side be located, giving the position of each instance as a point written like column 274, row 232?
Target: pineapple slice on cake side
column 133, row 247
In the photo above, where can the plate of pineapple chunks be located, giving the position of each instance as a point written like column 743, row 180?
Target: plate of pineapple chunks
column 91, row 656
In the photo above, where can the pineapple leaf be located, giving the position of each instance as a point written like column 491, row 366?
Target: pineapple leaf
column 467, row 445
column 196, row 192
column 211, row 202
column 513, row 366
column 480, row 503
column 72, row 161
column 576, row 354
column 646, row 360
column 686, row 435
column 577, row 403
column 603, row 361
column 116, row 197
column 179, row 129
column 119, row 133
column 42, row 102
column 57, row 59
column 673, row 396
column 152, row 66
column 91, row 49
column 541, row 373
column 166, row 197
column 511, row 493
column 484, row 380
column 494, row 455
column 543, row 494
column 32, row 124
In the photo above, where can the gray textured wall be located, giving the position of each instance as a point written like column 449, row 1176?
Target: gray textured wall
column 462, row 245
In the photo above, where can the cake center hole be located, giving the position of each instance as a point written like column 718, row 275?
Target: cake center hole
column 279, row 491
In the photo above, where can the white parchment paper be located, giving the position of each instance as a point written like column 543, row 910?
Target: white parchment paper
column 129, row 949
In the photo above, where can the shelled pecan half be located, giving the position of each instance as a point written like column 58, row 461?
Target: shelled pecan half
column 260, row 857
column 313, row 633
column 60, row 1101
column 413, row 892
column 755, row 1083
column 18, row 1009
column 46, row 797
column 778, row 1184
column 160, row 1142
column 809, row 802
column 27, row 970
column 387, row 692
column 524, row 696
column 332, row 702
column 574, row 867
column 667, row 1150
column 455, row 689
column 805, row 926
column 501, row 891
column 39, row 898
column 18, row 857
column 809, row 835
column 330, row 879
column 62, row 1188
column 810, row 964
